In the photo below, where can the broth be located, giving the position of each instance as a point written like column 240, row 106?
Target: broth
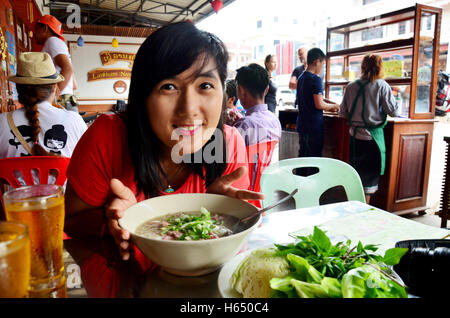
column 187, row 226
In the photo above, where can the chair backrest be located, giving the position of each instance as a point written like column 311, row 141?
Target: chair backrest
column 259, row 157
column 29, row 167
column 280, row 176
column 26, row 169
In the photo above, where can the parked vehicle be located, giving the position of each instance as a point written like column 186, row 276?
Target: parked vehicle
column 285, row 97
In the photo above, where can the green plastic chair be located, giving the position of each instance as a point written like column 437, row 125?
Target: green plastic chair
column 279, row 176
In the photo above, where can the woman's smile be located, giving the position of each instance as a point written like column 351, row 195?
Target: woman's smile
column 188, row 130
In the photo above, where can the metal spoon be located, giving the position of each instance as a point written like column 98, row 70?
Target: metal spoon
column 245, row 219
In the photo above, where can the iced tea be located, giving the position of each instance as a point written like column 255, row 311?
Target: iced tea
column 14, row 260
column 41, row 207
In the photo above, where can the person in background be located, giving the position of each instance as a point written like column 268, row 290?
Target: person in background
column 270, row 99
column 259, row 124
column 231, row 112
column 48, row 32
column 366, row 103
column 310, row 114
column 302, row 52
column 47, row 130
column 176, row 90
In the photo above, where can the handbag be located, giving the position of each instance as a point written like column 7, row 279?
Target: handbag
column 17, row 133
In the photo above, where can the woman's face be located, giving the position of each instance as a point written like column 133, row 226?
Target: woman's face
column 272, row 64
column 184, row 110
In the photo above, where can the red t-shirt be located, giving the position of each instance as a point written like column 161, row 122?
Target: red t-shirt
column 102, row 154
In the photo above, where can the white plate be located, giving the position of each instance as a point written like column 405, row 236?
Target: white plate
column 223, row 281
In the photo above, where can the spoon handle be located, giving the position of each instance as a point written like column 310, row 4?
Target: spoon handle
column 270, row 206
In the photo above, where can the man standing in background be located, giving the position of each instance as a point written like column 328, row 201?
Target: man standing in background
column 49, row 34
column 302, row 52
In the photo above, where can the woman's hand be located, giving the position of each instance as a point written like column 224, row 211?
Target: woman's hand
column 124, row 198
column 223, row 186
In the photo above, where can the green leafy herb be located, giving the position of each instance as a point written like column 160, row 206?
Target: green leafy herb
column 393, row 255
column 330, row 260
column 191, row 226
column 321, row 269
column 322, row 241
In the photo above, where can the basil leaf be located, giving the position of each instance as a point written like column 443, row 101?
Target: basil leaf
column 360, row 248
column 321, row 239
column 393, row 255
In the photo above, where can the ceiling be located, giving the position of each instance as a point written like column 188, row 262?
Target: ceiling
column 134, row 13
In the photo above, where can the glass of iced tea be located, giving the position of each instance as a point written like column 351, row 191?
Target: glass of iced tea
column 14, row 260
column 41, row 208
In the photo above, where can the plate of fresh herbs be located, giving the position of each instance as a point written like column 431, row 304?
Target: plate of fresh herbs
column 320, row 269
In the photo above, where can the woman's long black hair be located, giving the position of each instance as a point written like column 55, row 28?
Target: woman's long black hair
column 165, row 53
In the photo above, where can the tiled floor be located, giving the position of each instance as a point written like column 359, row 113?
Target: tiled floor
column 428, row 219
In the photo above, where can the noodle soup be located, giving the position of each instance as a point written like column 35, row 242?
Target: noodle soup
column 187, row 226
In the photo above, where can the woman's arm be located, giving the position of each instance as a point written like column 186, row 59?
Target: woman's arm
column 223, row 185
column 388, row 101
column 83, row 219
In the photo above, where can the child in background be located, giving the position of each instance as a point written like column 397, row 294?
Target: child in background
column 231, row 112
column 259, row 124
column 310, row 113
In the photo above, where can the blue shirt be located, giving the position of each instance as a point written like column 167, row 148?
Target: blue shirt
column 310, row 119
column 258, row 125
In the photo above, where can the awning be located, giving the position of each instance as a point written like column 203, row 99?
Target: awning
column 133, row 13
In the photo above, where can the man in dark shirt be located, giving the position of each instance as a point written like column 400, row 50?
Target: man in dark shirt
column 302, row 52
column 310, row 114
column 298, row 70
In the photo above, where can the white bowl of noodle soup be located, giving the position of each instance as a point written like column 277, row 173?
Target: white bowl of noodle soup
column 189, row 257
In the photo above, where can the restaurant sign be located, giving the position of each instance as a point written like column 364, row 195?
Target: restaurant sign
column 108, row 73
column 108, row 58
column 103, row 73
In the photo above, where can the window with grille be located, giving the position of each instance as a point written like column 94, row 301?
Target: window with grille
column 402, row 27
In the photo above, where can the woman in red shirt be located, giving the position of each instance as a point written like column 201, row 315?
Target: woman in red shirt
column 170, row 139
